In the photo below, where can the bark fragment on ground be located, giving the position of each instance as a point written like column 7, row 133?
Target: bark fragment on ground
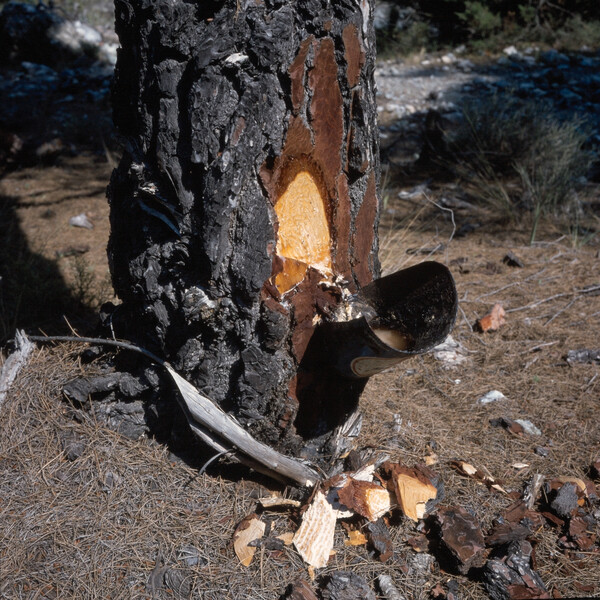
column 510, row 576
column 492, row 321
column 300, row 590
column 461, row 536
column 345, row 585
column 380, row 540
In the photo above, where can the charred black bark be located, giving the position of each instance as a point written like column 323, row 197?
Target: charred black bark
column 233, row 113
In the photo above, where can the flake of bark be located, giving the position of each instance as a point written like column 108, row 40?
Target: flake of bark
column 566, row 501
column 300, row 590
column 180, row 582
column 503, row 533
column 508, row 424
column 585, row 487
column 388, row 589
column 512, row 260
column 581, row 533
column 552, row 518
column 345, row 585
column 583, row 356
column 492, row 321
column 419, row 543
column 518, row 512
column 380, row 540
column 510, row 576
column 461, row 535
column 73, row 446
column 439, row 593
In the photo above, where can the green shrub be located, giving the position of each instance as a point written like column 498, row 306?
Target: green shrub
column 413, row 39
column 480, row 20
column 518, row 156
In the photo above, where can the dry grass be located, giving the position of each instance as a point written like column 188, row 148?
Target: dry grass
column 423, row 404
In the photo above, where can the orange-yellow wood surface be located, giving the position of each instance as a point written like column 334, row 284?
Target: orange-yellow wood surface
column 303, row 237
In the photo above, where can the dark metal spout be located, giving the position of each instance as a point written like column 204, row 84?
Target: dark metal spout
column 390, row 320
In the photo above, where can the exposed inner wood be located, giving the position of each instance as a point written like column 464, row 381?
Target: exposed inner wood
column 413, row 494
column 303, row 238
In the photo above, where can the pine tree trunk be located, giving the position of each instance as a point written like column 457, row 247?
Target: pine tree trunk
column 245, row 206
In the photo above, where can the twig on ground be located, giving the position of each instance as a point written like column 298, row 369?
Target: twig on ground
column 509, row 285
column 533, row 489
column 537, row 303
column 539, row 347
column 562, row 310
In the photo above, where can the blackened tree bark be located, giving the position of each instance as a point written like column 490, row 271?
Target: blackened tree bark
column 245, row 205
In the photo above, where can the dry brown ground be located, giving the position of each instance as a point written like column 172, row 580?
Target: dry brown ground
column 86, row 513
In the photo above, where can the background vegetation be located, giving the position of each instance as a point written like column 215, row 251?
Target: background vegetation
column 490, row 25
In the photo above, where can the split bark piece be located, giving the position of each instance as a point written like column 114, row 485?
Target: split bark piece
column 301, row 590
column 461, row 534
column 415, row 487
column 581, row 533
column 566, row 501
column 388, row 589
column 583, row 356
column 419, row 543
column 314, row 538
column 249, row 530
column 492, row 321
column 508, row 424
column 504, row 533
column 380, row 540
column 469, row 470
column 585, row 487
column 512, row 260
column 344, row 585
column 365, row 498
column 510, row 577
column 439, row 593
column 518, row 512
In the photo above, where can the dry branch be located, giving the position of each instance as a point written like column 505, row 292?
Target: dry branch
column 14, row 363
column 212, row 425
